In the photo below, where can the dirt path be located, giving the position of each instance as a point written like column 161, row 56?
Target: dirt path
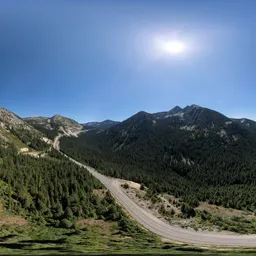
column 56, row 142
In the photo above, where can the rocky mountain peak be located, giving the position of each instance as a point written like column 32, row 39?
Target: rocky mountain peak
column 175, row 110
column 57, row 123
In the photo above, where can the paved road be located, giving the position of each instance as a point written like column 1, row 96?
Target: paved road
column 165, row 230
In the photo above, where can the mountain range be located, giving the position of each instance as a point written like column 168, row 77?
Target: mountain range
column 197, row 120
column 194, row 153
column 36, row 133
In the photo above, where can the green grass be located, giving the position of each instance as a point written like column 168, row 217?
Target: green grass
column 90, row 239
column 237, row 224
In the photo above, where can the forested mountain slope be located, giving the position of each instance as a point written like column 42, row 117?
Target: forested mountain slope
column 49, row 200
column 51, row 189
column 194, row 153
column 100, row 125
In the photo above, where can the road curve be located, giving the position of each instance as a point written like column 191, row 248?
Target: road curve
column 56, row 142
column 165, row 230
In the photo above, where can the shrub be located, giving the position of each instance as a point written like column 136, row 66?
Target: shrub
column 162, row 209
column 65, row 223
column 187, row 210
column 68, row 214
column 125, row 186
column 204, row 216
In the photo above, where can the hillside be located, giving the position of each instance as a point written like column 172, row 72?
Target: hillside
column 193, row 153
column 49, row 189
column 14, row 130
column 34, row 187
column 54, row 125
column 50, row 200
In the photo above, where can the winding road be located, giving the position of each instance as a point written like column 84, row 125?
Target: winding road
column 157, row 226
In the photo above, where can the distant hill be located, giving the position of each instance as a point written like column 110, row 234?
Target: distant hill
column 193, row 152
column 100, row 125
column 54, row 125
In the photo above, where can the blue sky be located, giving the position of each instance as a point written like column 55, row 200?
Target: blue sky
column 94, row 60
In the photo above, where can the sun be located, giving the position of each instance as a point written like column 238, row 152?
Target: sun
column 174, row 47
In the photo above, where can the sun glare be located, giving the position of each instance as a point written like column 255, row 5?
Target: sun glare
column 166, row 47
column 174, row 47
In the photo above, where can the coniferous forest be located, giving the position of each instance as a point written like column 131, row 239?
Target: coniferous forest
column 51, row 190
column 171, row 160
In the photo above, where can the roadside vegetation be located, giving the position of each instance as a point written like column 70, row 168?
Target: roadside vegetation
column 202, row 216
column 95, row 237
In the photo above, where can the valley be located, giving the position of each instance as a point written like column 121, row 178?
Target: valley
column 163, row 229
column 192, row 220
column 197, row 166
column 128, row 127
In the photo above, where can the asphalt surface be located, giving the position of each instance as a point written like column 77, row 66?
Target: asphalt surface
column 165, row 230
column 162, row 229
